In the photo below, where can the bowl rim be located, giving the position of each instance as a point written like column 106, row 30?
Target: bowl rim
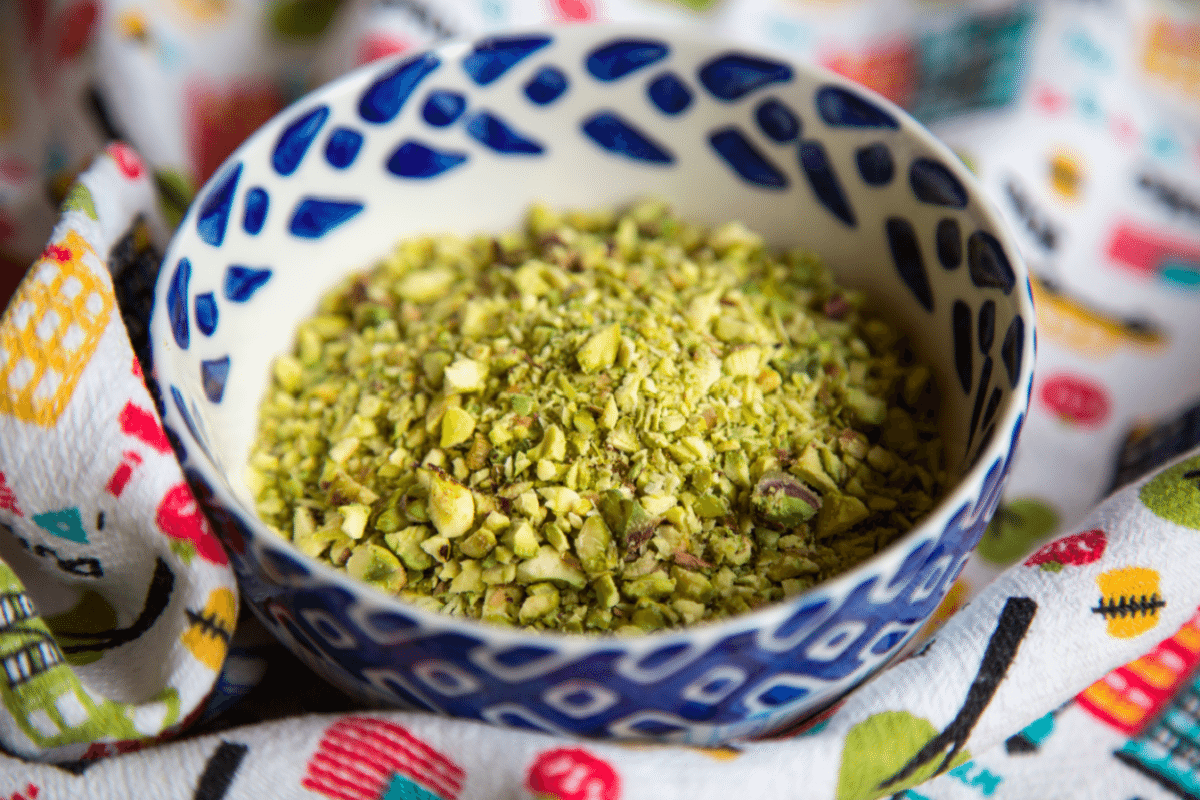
column 971, row 481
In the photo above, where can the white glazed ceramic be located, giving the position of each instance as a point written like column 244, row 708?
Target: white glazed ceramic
column 463, row 139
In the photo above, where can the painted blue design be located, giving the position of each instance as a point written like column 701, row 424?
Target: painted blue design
column 987, row 263
column 933, row 182
column 987, row 325
column 777, row 120
column 314, row 217
column 213, row 212
column 906, row 255
column 493, row 57
column 669, row 93
column 875, row 164
column 242, row 282
column 824, row 182
column 617, row 59
column 384, row 98
column 213, row 374
column 746, row 160
column 1012, row 349
column 989, row 414
column 985, row 383
column 546, row 86
column 963, row 346
column 342, row 147
column 206, row 313
column 618, row 136
column 181, row 407
column 443, row 107
column 284, row 564
column 177, row 305
column 294, row 141
column 494, row 133
column 415, row 160
column 255, row 212
column 734, row 75
column 842, row 108
column 66, row 524
column 949, row 244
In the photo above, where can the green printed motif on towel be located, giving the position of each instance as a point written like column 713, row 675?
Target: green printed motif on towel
column 879, row 748
column 1174, row 494
column 45, row 697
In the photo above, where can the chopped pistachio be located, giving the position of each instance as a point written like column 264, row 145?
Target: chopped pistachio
column 611, row 421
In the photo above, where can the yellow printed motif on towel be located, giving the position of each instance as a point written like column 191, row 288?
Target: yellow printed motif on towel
column 50, row 331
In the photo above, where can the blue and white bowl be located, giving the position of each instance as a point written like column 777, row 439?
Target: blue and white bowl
column 463, row 138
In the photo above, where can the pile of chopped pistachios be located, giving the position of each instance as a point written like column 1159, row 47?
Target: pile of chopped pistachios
column 609, row 421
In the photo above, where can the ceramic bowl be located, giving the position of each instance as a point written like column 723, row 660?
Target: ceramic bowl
column 463, row 138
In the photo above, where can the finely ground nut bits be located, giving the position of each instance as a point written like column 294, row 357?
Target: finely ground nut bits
column 607, row 422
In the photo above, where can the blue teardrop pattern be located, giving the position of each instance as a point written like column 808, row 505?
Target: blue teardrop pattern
column 412, row 159
column 989, row 413
column 669, row 93
column 987, row 263
column 206, row 313
column 842, row 108
column 493, row 57
column 177, row 304
column 342, row 147
column 254, row 215
column 906, row 255
column 242, row 282
column 214, row 373
column 615, row 60
column 617, row 136
column 1012, row 349
column 933, row 182
column 964, row 362
column 495, row 134
column 384, row 98
column 949, row 244
column 987, row 326
column 746, row 160
column 315, row 217
column 875, row 164
column 547, row 85
column 824, row 181
column 732, row 76
column 985, row 383
column 443, row 107
column 213, row 212
column 293, row 143
column 777, row 121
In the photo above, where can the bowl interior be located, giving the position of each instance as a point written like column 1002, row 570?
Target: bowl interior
column 465, row 138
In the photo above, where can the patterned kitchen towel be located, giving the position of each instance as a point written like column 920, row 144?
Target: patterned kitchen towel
column 118, row 624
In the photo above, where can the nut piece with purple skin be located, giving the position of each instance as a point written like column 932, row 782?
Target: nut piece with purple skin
column 781, row 499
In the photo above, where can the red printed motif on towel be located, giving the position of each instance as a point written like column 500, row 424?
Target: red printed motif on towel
column 179, row 518
column 8, row 500
column 572, row 773
column 363, row 758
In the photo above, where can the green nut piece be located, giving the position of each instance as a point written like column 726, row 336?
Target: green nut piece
column 783, row 500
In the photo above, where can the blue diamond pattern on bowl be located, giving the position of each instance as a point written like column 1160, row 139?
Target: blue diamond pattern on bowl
column 416, row 160
column 213, row 374
column 177, row 304
column 384, row 98
column 733, row 76
column 933, row 182
column 314, row 217
column 987, row 263
column 206, row 313
column 616, row 135
column 987, row 325
column 842, row 107
column 255, row 214
column 342, row 147
column 906, row 255
column 949, row 243
column 963, row 346
column 497, row 135
column 443, row 107
column 669, row 93
column 294, row 141
column 491, row 58
column 824, row 181
column 746, row 159
column 777, row 121
column 213, row 211
column 242, row 282
column 875, row 164
column 615, row 60
column 546, row 86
